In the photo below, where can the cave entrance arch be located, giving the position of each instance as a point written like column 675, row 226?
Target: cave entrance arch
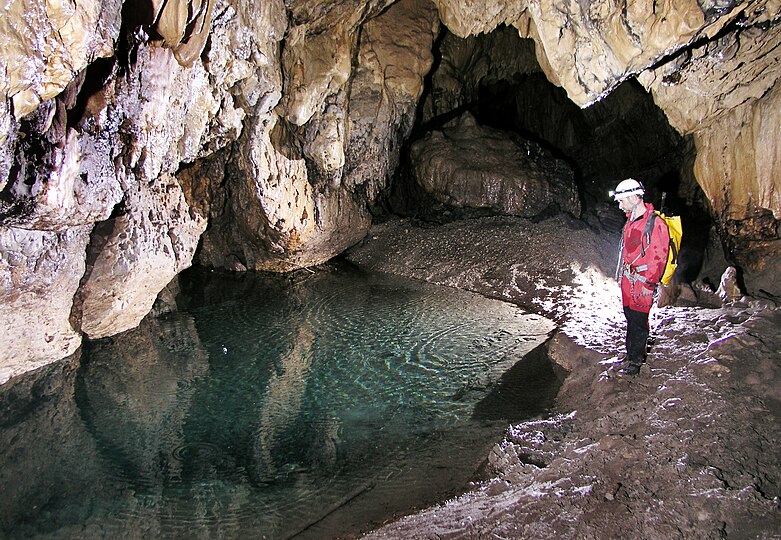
column 497, row 79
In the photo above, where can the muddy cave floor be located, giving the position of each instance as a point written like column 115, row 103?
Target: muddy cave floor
column 687, row 449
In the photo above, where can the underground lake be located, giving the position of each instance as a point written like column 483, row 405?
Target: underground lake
column 310, row 405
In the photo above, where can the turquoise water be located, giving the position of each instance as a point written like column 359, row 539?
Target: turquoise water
column 303, row 406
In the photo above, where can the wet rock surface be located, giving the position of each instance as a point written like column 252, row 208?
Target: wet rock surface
column 687, row 449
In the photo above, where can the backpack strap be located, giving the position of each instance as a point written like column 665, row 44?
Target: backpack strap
column 620, row 266
column 649, row 227
column 674, row 250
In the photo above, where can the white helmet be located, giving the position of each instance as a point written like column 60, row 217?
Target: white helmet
column 627, row 187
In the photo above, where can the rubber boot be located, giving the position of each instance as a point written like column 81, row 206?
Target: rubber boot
column 630, row 367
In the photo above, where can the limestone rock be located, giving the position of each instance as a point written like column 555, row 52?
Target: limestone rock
column 738, row 157
column 325, row 144
column 133, row 256
column 8, row 131
column 470, row 17
column 395, row 56
column 44, row 44
column 297, row 191
column 319, row 65
column 466, row 165
column 275, row 220
column 318, row 53
column 701, row 294
column 106, row 158
column 667, row 295
column 497, row 76
column 588, row 49
column 171, row 114
column 39, row 274
column 475, row 62
column 76, row 185
column 688, row 296
column 739, row 66
column 184, row 26
column 729, row 290
column 528, row 448
column 629, row 40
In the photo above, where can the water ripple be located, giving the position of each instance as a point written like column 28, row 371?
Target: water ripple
column 261, row 409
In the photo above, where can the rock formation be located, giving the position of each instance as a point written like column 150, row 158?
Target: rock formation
column 497, row 77
column 131, row 134
column 466, row 165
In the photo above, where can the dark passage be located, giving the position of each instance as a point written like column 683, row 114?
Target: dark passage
column 496, row 78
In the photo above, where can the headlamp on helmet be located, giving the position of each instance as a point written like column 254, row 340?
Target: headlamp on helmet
column 627, row 187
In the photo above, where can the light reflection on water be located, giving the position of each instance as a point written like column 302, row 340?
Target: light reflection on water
column 268, row 407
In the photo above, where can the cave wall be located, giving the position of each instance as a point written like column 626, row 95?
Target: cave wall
column 132, row 133
column 711, row 66
column 128, row 129
column 302, row 174
column 702, row 61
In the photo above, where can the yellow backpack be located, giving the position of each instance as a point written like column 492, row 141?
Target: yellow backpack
column 675, row 231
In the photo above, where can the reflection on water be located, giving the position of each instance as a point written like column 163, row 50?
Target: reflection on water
column 268, row 406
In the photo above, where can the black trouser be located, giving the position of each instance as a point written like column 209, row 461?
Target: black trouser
column 636, row 335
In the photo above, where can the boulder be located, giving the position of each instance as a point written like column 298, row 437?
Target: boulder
column 468, row 165
column 133, row 256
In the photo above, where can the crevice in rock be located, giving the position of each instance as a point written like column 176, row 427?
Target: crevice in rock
column 30, row 167
column 96, row 76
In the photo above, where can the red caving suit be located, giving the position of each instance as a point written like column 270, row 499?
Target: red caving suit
column 640, row 273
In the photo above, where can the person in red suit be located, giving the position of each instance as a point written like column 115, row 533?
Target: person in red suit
column 642, row 259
